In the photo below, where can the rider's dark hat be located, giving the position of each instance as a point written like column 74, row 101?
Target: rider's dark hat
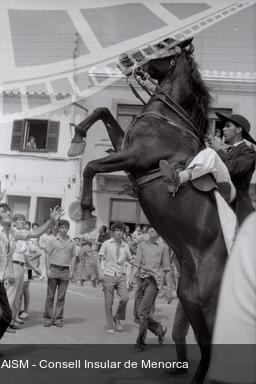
column 239, row 121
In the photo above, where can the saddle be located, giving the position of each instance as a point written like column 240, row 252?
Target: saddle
column 205, row 183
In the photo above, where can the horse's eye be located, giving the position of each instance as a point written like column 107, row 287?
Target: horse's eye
column 172, row 62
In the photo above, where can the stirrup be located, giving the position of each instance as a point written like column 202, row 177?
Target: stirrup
column 170, row 176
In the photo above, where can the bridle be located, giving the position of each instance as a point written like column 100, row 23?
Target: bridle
column 159, row 94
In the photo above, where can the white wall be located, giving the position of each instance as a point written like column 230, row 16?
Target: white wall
column 49, row 175
column 43, row 174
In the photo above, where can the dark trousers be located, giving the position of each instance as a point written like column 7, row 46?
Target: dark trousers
column 110, row 284
column 145, row 298
column 57, row 281
column 5, row 311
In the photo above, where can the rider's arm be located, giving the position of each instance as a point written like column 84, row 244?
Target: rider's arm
column 241, row 164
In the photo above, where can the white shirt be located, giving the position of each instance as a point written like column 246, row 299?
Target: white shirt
column 114, row 263
column 236, row 315
column 8, row 240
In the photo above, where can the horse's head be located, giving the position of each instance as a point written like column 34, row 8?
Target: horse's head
column 159, row 65
column 178, row 76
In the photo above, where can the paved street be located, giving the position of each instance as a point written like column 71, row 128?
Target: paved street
column 82, row 337
column 84, row 319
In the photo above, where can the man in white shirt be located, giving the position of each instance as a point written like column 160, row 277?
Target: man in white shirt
column 232, row 167
column 234, row 338
column 8, row 239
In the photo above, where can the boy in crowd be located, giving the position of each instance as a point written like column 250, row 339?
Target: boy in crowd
column 20, row 258
column 60, row 265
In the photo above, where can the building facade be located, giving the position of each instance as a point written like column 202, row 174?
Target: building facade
column 58, row 51
column 37, row 174
column 230, row 95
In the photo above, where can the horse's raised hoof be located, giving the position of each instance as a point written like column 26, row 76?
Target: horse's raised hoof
column 88, row 225
column 76, row 149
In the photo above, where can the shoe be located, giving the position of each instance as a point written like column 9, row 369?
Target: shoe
column 58, row 324
column 10, row 330
column 48, row 323
column 15, row 326
column 162, row 335
column 117, row 324
column 171, row 176
column 23, row 315
column 136, row 348
column 110, row 331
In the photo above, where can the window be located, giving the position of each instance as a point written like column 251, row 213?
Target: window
column 33, row 135
column 126, row 113
column 214, row 122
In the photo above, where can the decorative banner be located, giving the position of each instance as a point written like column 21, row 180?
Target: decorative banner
column 68, row 50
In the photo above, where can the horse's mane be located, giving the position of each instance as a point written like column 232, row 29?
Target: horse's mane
column 199, row 99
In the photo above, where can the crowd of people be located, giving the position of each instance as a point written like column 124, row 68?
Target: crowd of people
column 47, row 252
column 19, row 255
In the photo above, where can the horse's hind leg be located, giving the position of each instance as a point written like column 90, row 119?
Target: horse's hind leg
column 188, row 295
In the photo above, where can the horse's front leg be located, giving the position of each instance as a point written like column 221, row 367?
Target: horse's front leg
column 120, row 161
column 115, row 132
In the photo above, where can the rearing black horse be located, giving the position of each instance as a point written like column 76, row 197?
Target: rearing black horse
column 171, row 126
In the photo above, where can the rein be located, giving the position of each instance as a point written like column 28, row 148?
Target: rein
column 169, row 121
column 160, row 94
column 180, row 112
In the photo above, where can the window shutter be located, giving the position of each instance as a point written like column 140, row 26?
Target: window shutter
column 53, row 136
column 17, row 135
